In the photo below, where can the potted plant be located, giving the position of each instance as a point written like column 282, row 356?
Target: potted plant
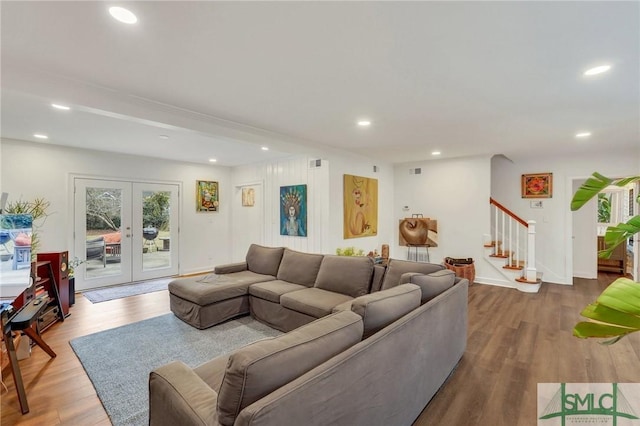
column 616, row 312
column 38, row 209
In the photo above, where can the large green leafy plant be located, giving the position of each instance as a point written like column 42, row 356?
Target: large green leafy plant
column 616, row 312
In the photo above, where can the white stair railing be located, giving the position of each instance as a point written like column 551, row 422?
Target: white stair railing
column 510, row 243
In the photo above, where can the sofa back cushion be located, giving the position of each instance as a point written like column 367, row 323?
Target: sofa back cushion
column 264, row 260
column 396, row 268
column 262, row 367
column 299, row 268
column 433, row 284
column 381, row 308
column 345, row 274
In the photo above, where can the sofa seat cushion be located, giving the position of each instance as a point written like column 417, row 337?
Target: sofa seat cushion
column 433, row 284
column 345, row 274
column 396, row 268
column 264, row 260
column 381, row 308
column 204, row 290
column 257, row 369
column 272, row 290
column 299, row 268
column 315, row 302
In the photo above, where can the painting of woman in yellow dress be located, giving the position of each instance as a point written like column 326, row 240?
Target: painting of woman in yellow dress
column 360, row 206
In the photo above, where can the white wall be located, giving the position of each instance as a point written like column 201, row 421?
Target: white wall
column 31, row 170
column 554, row 228
column 456, row 193
column 340, row 166
column 271, row 176
column 584, row 221
column 325, row 202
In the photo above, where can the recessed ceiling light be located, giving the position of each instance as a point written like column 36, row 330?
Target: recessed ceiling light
column 40, row 136
column 62, row 107
column 436, row 153
column 364, row 123
column 583, row 134
column 212, row 160
column 163, row 137
column 123, row 15
column 597, row 70
column 265, row 148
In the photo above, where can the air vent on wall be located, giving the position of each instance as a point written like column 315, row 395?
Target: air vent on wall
column 416, row 171
column 315, row 163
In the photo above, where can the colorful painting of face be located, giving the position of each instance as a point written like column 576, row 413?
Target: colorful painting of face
column 360, row 206
column 293, row 210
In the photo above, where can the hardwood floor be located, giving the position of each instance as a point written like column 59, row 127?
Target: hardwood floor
column 58, row 390
column 516, row 340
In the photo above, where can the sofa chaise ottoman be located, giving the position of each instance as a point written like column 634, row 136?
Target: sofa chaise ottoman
column 204, row 301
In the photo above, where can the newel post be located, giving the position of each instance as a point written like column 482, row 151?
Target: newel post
column 531, row 273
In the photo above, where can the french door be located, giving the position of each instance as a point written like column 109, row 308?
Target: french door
column 124, row 231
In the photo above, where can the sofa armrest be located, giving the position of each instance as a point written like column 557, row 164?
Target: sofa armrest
column 230, row 268
column 177, row 395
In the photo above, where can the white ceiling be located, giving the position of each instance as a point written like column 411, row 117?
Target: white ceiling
column 222, row 79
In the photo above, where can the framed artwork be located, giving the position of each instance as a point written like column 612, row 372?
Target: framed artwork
column 539, row 185
column 360, row 199
column 248, row 197
column 293, row 210
column 207, row 196
column 416, row 231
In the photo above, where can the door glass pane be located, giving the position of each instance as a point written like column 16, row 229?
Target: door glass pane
column 103, row 221
column 156, row 219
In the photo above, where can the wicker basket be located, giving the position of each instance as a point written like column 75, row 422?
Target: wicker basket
column 467, row 271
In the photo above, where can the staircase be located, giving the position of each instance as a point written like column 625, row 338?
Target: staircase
column 511, row 248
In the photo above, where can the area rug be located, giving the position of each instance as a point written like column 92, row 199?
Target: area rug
column 126, row 290
column 118, row 361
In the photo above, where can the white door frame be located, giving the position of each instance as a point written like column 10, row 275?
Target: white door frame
column 131, row 263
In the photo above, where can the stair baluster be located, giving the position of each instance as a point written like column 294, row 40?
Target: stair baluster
column 506, row 243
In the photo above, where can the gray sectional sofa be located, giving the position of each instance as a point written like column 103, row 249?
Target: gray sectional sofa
column 364, row 344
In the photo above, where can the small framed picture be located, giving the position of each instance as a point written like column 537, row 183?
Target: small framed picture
column 207, row 196
column 538, row 185
column 248, row 197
